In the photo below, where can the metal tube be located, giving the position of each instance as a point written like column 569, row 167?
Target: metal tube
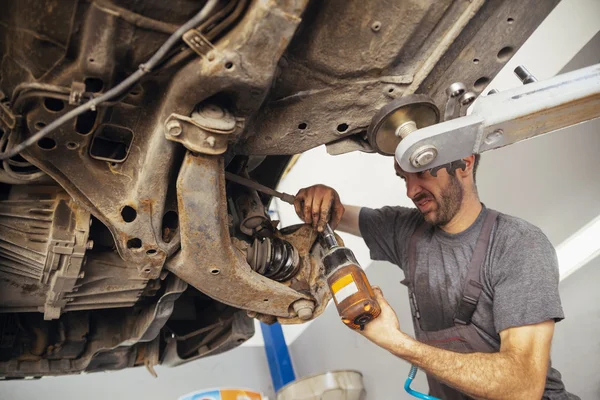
column 288, row 198
column 328, row 238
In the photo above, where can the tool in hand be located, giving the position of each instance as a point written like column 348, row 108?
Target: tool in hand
column 288, row 198
column 352, row 293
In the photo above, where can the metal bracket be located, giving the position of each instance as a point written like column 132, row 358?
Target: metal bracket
column 197, row 42
column 76, row 95
column 205, row 132
column 508, row 117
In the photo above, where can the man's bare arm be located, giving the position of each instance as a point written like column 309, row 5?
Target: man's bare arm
column 517, row 371
column 349, row 221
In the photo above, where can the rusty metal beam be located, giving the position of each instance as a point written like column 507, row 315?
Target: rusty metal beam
column 207, row 260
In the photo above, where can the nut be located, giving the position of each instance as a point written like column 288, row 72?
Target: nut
column 467, row 98
column 456, row 89
column 174, row 128
column 304, row 309
column 423, row 156
column 493, row 137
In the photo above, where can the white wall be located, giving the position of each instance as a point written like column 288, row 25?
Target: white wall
column 576, row 345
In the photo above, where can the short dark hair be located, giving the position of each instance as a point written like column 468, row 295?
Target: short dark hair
column 475, row 165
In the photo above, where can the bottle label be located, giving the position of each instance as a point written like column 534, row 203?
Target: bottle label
column 344, row 288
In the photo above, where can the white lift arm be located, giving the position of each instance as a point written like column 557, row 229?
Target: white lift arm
column 505, row 118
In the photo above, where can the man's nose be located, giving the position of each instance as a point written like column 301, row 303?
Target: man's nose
column 412, row 187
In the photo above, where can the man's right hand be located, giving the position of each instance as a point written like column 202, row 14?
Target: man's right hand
column 317, row 205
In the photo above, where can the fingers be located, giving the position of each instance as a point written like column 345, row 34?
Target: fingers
column 324, row 214
column 307, row 208
column 299, row 203
column 316, row 210
column 378, row 295
column 338, row 212
column 314, row 206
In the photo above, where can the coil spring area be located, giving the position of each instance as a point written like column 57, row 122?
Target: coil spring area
column 273, row 258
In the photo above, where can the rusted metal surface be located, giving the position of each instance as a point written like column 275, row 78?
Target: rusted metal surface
column 239, row 329
column 44, row 239
column 436, row 44
column 145, row 178
column 110, row 345
column 485, row 45
column 208, row 260
column 206, row 131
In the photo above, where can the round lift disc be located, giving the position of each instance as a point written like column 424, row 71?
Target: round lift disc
column 382, row 131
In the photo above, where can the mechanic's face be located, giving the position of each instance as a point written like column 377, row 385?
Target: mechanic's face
column 437, row 198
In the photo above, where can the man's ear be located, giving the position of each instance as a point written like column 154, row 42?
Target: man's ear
column 469, row 164
column 397, row 167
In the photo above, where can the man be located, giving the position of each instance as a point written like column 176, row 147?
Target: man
column 483, row 286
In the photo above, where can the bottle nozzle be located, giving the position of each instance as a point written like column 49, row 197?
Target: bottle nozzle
column 328, row 238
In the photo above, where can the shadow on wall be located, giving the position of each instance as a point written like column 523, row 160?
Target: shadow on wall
column 576, row 344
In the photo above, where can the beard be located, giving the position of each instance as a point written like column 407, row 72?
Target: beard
column 447, row 204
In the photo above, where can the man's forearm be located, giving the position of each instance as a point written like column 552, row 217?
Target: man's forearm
column 349, row 221
column 480, row 375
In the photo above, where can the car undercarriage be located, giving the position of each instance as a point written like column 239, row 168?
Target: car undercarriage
column 121, row 242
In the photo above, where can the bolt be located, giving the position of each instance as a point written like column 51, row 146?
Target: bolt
column 210, row 56
column 211, row 141
column 423, row 156
column 493, row 91
column 467, row 98
column 405, row 129
column 174, row 128
column 456, row 89
column 494, row 137
column 376, row 26
column 524, row 75
column 304, row 309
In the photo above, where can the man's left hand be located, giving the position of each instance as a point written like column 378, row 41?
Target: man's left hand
column 384, row 330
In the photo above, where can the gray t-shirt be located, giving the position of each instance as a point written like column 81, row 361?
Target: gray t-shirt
column 519, row 276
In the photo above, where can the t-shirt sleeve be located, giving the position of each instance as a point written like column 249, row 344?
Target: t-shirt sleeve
column 526, row 281
column 387, row 230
